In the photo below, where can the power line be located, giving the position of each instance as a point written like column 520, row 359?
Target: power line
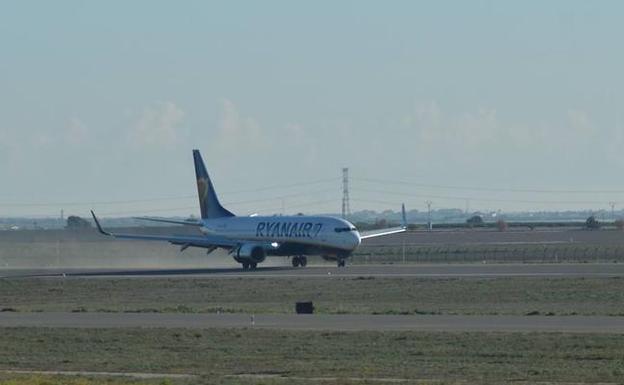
column 298, row 205
column 463, row 198
column 276, row 198
column 273, row 187
column 492, row 189
column 129, row 201
column 397, row 204
column 136, row 212
column 307, row 193
column 169, row 198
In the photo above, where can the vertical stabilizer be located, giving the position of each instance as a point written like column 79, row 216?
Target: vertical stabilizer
column 208, row 201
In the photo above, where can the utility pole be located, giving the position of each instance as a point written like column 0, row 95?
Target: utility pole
column 612, row 204
column 429, row 226
column 346, row 211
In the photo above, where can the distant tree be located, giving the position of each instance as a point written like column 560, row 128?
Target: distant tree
column 619, row 224
column 592, row 223
column 363, row 226
column 474, row 220
column 412, row 226
column 75, row 222
column 379, row 224
column 501, row 225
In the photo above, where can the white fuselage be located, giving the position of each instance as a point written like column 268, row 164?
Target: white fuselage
column 323, row 232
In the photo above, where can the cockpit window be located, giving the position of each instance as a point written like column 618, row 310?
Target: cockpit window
column 344, row 229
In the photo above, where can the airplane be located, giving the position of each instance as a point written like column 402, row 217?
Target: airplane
column 250, row 239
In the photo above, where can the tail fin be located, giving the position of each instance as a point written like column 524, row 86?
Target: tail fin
column 208, row 201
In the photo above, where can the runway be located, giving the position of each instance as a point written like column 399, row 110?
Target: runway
column 570, row 324
column 411, row 270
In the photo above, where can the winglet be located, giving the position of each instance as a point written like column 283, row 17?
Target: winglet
column 403, row 216
column 99, row 227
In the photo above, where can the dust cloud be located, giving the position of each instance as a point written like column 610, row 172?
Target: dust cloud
column 56, row 250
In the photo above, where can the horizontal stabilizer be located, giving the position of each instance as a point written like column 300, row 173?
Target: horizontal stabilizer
column 164, row 220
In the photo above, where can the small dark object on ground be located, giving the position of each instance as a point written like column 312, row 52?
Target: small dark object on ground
column 304, row 307
column 592, row 223
column 475, row 220
column 4, row 309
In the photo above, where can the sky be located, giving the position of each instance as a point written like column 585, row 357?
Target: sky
column 491, row 105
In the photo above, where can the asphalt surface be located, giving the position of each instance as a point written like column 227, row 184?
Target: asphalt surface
column 571, row 324
column 417, row 271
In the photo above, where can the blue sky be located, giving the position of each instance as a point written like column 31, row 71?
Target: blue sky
column 103, row 102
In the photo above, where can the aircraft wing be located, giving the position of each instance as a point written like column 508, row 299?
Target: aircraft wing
column 392, row 230
column 382, row 232
column 208, row 242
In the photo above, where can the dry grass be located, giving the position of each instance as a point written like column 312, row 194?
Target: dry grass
column 38, row 379
column 222, row 356
column 363, row 295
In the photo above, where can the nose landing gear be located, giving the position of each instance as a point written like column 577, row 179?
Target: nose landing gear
column 341, row 262
column 299, row 260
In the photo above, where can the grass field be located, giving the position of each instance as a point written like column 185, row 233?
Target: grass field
column 40, row 379
column 224, row 355
column 361, row 295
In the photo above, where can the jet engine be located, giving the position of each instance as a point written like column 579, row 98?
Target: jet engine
column 251, row 252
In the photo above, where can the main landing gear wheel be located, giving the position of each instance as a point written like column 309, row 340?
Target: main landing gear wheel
column 249, row 265
column 341, row 263
column 300, row 260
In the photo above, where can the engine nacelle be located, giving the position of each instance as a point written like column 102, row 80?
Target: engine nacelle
column 252, row 252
